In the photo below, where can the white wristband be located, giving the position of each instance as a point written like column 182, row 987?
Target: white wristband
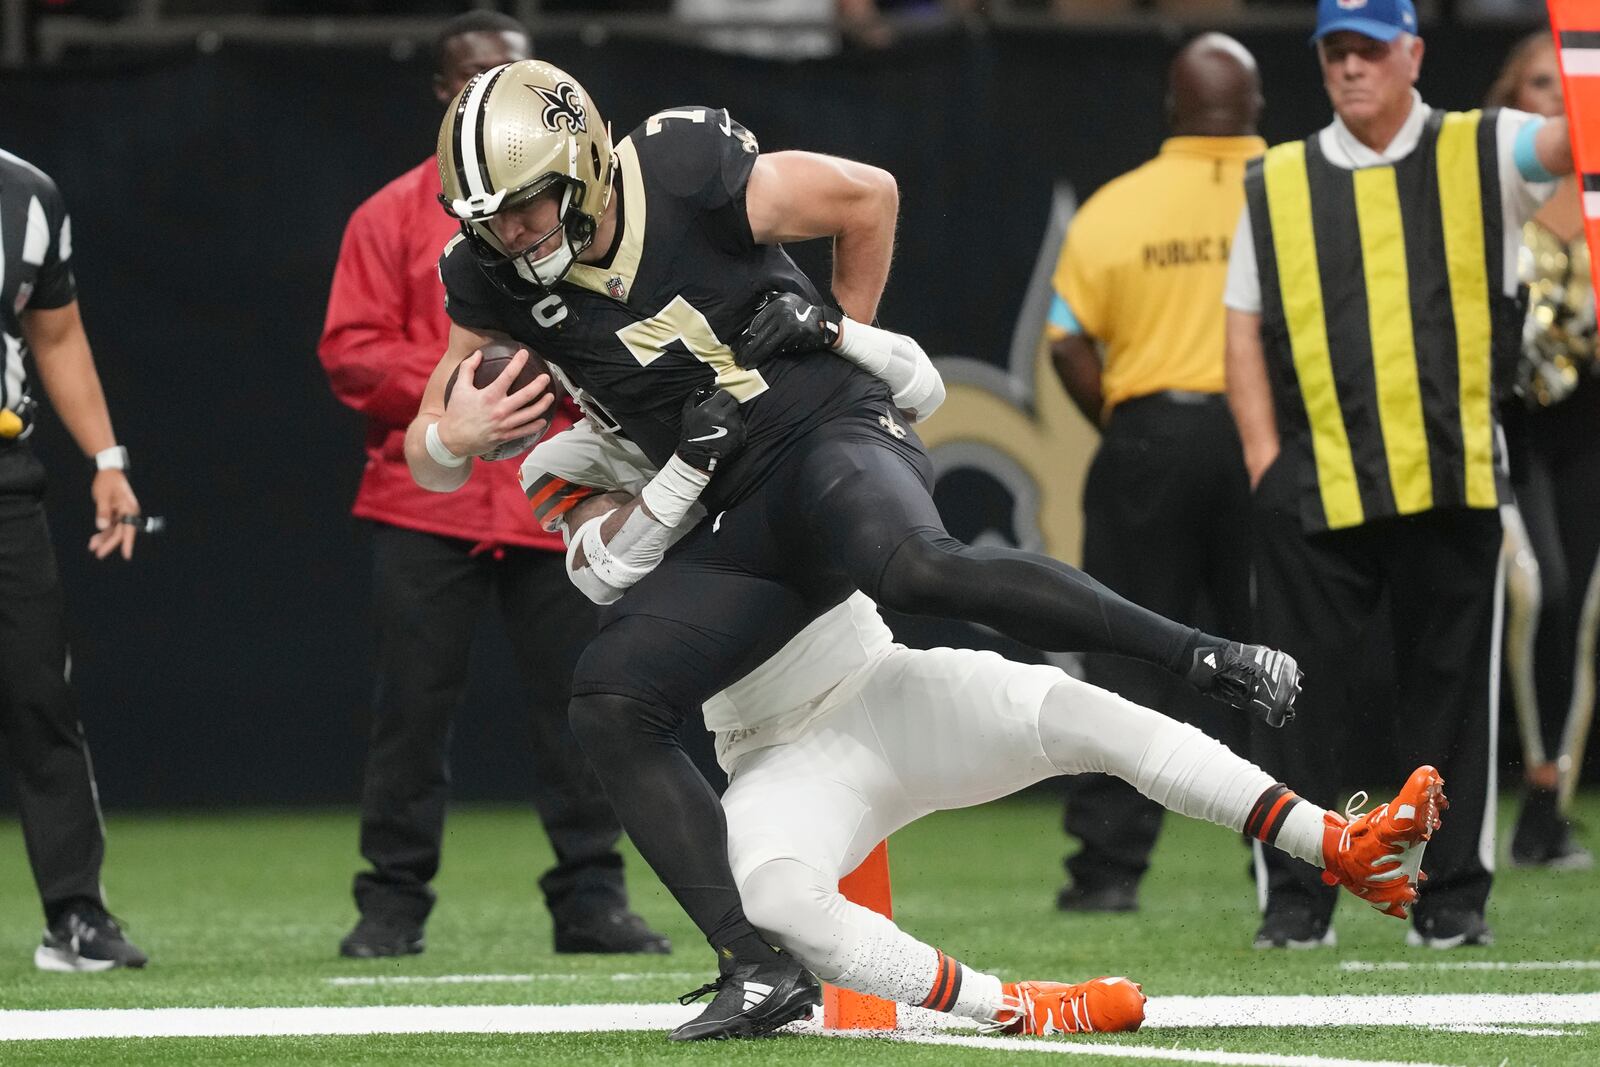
column 114, row 458
column 441, row 455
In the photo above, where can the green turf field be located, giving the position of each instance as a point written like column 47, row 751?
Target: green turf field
column 245, row 910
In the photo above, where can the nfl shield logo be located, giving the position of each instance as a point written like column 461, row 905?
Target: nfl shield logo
column 617, row 290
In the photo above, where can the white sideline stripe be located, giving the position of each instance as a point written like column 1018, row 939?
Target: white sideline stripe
column 490, row 979
column 386, row 1019
column 1471, row 965
column 1440, row 1010
column 1169, row 1055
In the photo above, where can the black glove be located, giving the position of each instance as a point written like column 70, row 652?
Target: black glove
column 712, row 429
column 784, row 324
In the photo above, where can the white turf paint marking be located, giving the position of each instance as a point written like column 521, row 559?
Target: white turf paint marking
column 1470, row 1012
column 1170, row 1055
column 1521, row 1031
column 1472, row 965
column 1432, row 1009
column 491, row 979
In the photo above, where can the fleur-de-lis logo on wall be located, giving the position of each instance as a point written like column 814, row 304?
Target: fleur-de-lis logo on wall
column 562, row 107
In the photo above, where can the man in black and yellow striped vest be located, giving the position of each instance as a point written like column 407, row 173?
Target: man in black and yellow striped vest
column 1372, row 315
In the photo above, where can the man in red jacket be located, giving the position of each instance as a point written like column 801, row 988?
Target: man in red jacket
column 436, row 559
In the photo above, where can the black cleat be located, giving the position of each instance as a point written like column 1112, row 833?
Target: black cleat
column 609, row 930
column 375, row 938
column 1253, row 678
column 1543, row 837
column 86, row 938
column 751, row 1000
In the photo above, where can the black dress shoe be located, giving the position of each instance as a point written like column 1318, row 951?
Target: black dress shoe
column 609, row 930
column 1543, row 836
column 1113, row 896
column 376, row 937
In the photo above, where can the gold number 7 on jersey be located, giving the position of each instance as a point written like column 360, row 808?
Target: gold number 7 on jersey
column 682, row 321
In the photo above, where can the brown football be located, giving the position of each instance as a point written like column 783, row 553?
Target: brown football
column 496, row 355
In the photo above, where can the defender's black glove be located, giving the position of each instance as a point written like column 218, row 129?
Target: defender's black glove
column 784, row 324
column 712, row 429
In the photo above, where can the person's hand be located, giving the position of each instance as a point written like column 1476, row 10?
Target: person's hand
column 1257, row 462
column 712, row 429
column 113, row 500
column 478, row 420
column 784, row 324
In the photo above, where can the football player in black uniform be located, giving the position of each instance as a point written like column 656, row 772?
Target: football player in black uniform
column 648, row 273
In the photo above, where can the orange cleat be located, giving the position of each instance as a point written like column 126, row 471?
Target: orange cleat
column 1378, row 856
column 1098, row 1006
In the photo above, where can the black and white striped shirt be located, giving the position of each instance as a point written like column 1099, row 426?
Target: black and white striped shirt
column 35, row 261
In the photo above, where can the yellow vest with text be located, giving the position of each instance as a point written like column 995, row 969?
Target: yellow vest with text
column 1387, row 334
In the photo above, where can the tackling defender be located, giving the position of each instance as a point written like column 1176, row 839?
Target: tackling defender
column 844, row 737
column 626, row 267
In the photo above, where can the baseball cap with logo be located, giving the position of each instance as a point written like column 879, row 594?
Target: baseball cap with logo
column 1382, row 20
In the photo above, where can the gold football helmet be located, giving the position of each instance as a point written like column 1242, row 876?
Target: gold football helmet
column 516, row 131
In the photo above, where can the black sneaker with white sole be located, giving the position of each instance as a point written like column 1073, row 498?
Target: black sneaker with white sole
column 1294, row 928
column 1445, row 928
column 752, row 999
column 85, row 937
column 1252, row 678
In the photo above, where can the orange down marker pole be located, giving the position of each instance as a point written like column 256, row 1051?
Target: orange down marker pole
column 867, row 885
column 1576, row 24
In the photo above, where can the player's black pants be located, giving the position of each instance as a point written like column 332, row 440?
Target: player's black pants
column 850, row 507
column 1555, row 474
column 40, row 734
column 1167, row 524
column 1315, row 594
column 429, row 593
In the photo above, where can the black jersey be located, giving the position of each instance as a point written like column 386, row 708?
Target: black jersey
column 646, row 329
column 35, row 249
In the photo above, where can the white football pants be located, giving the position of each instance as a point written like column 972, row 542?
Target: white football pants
column 934, row 730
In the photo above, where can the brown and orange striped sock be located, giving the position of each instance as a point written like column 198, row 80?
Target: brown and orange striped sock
column 1281, row 818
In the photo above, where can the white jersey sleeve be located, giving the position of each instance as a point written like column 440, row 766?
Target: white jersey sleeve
column 577, row 463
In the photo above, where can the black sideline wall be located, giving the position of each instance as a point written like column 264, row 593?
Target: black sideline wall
column 229, row 663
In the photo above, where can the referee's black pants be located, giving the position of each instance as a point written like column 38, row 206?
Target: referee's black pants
column 1167, row 525
column 40, row 733
column 429, row 593
column 1315, row 595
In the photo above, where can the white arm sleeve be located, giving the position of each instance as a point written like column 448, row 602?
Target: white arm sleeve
column 897, row 361
column 638, row 546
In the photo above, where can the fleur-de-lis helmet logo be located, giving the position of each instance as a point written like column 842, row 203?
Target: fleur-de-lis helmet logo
column 563, row 106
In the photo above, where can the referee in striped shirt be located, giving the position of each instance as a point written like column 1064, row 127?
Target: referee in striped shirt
column 39, row 729
column 1372, row 320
